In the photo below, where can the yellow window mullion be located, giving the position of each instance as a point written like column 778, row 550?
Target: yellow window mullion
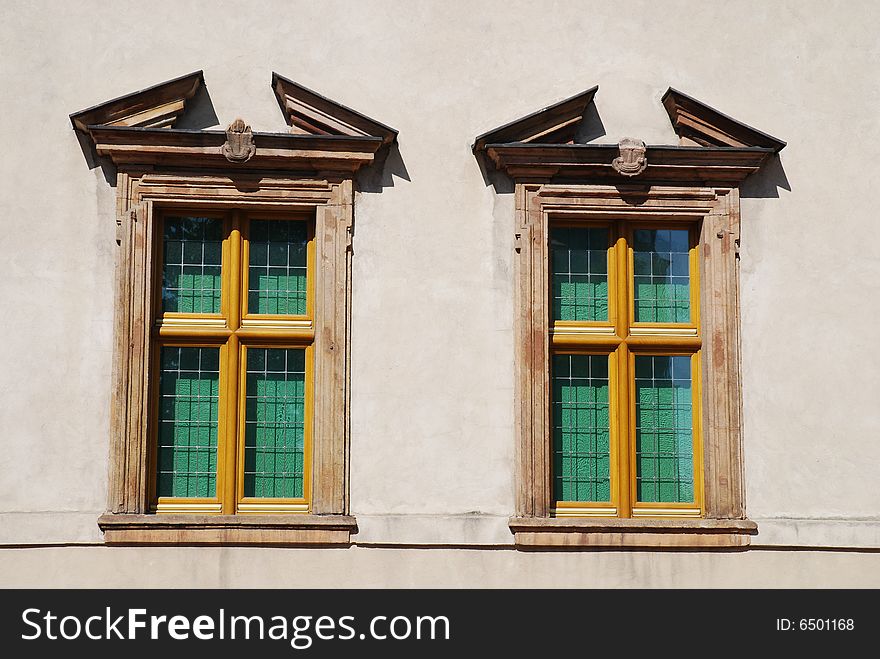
column 622, row 409
column 230, row 370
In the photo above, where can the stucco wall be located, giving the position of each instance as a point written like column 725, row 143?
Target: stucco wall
column 432, row 398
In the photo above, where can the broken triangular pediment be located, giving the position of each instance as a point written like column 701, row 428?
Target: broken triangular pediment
column 310, row 113
column 697, row 124
column 158, row 106
column 713, row 148
column 554, row 124
column 139, row 130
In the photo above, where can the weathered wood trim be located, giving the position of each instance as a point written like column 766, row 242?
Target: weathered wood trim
column 694, row 120
column 159, row 105
column 557, row 123
column 311, row 113
column 330, row 200
column 722, row 385
column 278, row 530
column 592, row 163
column 203, row 148
column 633, row 532
column 331, row 350
column 130, row 397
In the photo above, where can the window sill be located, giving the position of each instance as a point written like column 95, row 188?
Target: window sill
column 645, row 533
column 266, row 530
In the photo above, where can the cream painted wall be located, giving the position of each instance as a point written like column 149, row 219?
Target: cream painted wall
column 432, row 400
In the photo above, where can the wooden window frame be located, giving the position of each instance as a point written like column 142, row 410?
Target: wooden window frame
column 715, row 211
column 696, row 181
column 233, row 331
column 309, row 170
column 146, row 197
column 621, row 338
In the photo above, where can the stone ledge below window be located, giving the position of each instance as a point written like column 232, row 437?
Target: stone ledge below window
column 641, row 533
column 265, row 530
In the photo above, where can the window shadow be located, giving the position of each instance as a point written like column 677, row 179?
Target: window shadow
column 591, row 126
column 766, row 182
column 380, row 174
column 199, row 113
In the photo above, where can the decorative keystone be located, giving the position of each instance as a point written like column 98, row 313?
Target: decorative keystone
column 239, row 146
column 632, row 160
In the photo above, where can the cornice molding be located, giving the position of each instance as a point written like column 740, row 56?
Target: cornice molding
column 594, row 163
column 204, row 148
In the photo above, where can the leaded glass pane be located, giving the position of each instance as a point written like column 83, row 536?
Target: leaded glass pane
column 277, row 267
column 191, row 257
column 579, row 272
column 274, row 447
column 661, row 276
column 664, row 429
column 581, row 456
column 189, row 389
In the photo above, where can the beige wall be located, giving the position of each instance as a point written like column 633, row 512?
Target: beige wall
column 432, row 400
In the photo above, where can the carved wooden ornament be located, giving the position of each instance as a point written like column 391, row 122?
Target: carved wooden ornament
column 632, row 160
column 239, row 146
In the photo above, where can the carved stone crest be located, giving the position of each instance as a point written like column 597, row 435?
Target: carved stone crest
column 239, row 146
column 632, row 160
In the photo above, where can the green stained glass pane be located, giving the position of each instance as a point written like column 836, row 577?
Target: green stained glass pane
column 579, row 273
column 274, row 423
column 664, row 429
column 191, row 262
column 661, row 276
column 277, row 267
column 189, row 387
column 581, row 445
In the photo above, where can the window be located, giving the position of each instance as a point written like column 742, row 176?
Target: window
column 627, row 382
column 229, row 419
column 233, row 383
column 627, row 363
column 624, row 370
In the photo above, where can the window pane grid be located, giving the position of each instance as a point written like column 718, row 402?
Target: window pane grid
column 274, row 449
column 579, row 264
column 581, row 447
column 664, row 429
column 189, row 384
column 192, row 254
column 277, row 265
column 661, row 275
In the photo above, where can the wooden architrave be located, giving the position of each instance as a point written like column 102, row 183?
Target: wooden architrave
column 686, row 182
column 330, row 199
column 717, row 212
column 168, row 168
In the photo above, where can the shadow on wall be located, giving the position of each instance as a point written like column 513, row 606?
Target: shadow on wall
column 108, row 169
column 381, row 172
column 199, row 113
column 765, row 183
